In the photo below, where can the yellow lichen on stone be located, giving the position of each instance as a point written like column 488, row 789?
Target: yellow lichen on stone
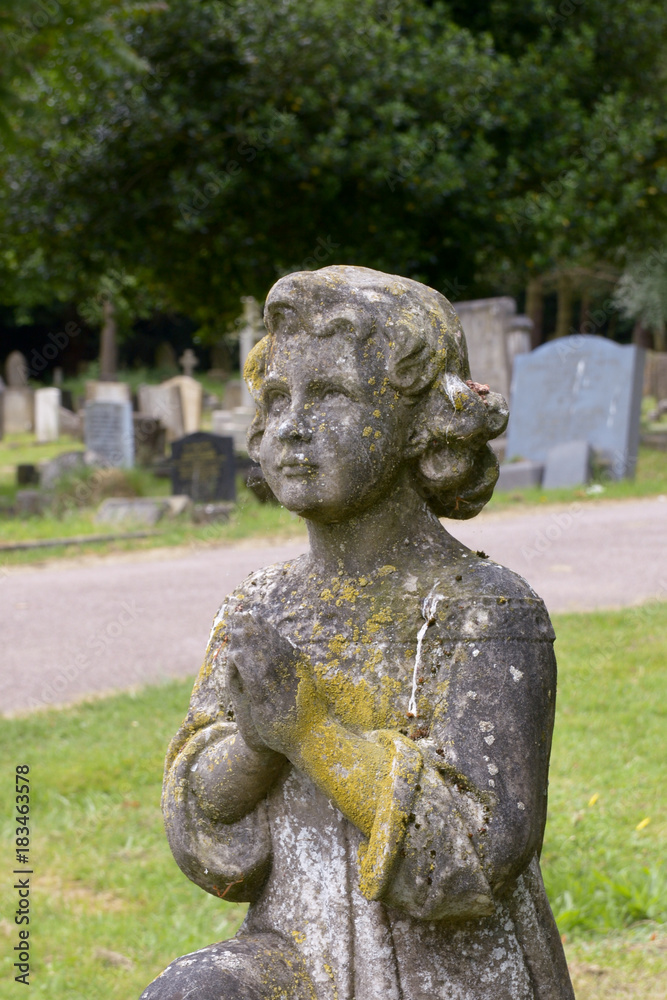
column 367, row 431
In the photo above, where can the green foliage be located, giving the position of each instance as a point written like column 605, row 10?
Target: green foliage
column 466, row 145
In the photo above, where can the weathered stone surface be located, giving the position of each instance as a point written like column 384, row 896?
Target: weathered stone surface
column 191, row 400
column 578, row 388
column 163, row 403
column 568, row 464
column 137, row 510
column 109, row 434
column 365, row 756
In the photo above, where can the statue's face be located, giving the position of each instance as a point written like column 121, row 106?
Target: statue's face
column 335, row 430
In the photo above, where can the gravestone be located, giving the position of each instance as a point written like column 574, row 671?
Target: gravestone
column 520, row 475
column 163, row 402
column 188, row 361
column 519, row 334
column 16, row 370
column 109, row 434
column 579, row 388
column 47, row 415
column 202, row 466
column 485, row 324
column 150, row 439
column 191, row 400
column 70, row 423
column 655, row 375
column 233, row 423
column 568, row 464
column 18, row 410
column 64, row 464
column 139, row 510
column 108, row 392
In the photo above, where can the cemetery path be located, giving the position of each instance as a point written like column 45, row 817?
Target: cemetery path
column 74, row 630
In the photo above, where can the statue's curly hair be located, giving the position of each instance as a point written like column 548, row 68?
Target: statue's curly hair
column 454, row 468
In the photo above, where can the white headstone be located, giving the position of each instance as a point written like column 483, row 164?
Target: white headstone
column 47, row 415
column 191, row 400
column 19, row 410
column 163, row 402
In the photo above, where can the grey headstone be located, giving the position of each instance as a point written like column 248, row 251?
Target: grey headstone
column 16, row 370
column 108, row 433
column 573, row 389
column 202, row 466
column 62, row 465
column 150, row 439
column 163, row 402
column 233, row 423
column 47, row 415
column 139, row 510
column 519, row 475
column 18, row 410
column 568, row 464
column 70, row 423
column 30, row 503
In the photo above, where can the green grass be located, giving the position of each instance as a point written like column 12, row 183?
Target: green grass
column 105, row 884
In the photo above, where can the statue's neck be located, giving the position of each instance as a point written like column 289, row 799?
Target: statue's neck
column 385, row 533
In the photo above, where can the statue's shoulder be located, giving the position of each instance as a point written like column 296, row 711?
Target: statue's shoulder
column 493, row 601
column 261, row 589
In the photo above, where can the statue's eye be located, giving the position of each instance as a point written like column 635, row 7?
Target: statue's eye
column 276, row 403
column 332, row 392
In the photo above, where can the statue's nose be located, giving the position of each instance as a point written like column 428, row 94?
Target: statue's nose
column 294, row 427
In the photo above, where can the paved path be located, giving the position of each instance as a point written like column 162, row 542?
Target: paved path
column 70, row 630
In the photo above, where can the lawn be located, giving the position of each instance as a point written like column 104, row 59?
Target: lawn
column 111, row 908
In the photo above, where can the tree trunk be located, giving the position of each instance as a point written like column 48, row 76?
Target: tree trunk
column 535, row 309
column 565, row 304
column 108, row 348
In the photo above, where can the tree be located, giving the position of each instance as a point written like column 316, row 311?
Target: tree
column 472, row 146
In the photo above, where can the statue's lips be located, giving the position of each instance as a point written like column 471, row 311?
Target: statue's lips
column 296, row 469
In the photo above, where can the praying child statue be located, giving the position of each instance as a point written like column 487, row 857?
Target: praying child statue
column 366, row 752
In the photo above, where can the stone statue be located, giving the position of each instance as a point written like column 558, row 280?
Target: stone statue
column 365, row 756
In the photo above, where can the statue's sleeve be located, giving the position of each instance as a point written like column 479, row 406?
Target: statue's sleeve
column 462, row 812
column 229, row 860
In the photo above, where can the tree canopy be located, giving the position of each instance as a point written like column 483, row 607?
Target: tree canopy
column 201, row 148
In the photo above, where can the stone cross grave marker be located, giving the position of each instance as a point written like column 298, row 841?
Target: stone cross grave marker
column 202, row 466
column 109, row 433
column 579, row 388
column 188, row 361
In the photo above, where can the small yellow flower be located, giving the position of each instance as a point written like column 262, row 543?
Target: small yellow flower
column 593, row 799
column 644, row 823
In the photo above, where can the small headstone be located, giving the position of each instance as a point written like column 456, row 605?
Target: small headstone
column 578, row 388
column 233, row 423
column 18, row 410
column 567, row 464
column 139, row 510
column 47, row 415
column 188, row 361
column 232, row 396
column 108, row 392
column 27, row 475
column 70, row 423
column 519, row 475
column 16, row 370
column 62, row 465
column 191, row 400
column 109, row 434
column 163, row 402
column 150, row 439
column 29, row 503
column 202, row 466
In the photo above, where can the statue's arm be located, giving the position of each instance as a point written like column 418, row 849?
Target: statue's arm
column 214, row 791
column 478, row 817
